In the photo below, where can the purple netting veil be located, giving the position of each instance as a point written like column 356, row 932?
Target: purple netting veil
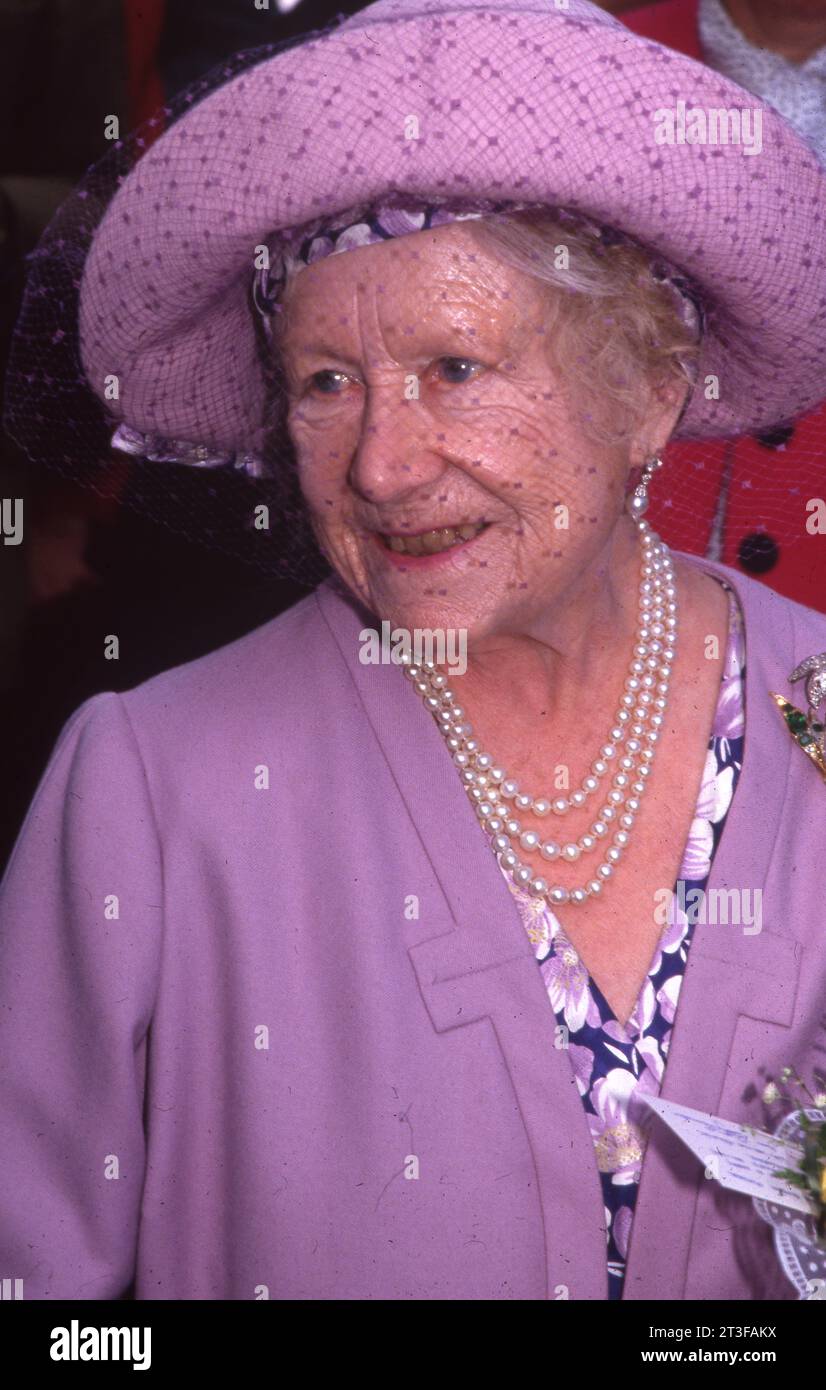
column 62, row 424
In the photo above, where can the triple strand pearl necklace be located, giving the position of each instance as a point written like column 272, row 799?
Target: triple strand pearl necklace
column 630, row 749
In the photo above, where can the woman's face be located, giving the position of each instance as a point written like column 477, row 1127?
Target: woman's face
column 426, row 414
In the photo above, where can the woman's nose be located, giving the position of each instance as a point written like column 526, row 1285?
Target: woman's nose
column 395, row 452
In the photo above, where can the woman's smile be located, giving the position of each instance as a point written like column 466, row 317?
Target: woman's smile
column 429, row 547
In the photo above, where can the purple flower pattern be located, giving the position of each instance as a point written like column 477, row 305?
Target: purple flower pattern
column 614, row 1065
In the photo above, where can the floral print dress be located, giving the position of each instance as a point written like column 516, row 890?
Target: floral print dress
column 613, row 1065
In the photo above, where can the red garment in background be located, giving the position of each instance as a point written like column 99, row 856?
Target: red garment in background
column 799, row 570
column 143, row 22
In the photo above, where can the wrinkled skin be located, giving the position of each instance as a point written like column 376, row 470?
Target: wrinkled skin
column 492, row 436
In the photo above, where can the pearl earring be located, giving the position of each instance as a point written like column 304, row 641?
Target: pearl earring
column 636, row 503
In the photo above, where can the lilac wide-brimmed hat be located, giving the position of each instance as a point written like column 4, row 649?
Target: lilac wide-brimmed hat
column 518, row 101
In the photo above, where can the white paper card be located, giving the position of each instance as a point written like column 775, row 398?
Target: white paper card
column 738, row 1157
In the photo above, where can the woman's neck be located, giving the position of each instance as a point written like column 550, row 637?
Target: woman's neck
column 575, row 655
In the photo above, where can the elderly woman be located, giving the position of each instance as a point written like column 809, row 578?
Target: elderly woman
column 334, row 978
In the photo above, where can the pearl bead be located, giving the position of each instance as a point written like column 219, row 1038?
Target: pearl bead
column 539, row 886
column 495, row 825
column 571, row 852
column 599, row 828
column 560, row 806
column 501, row 843
column 529, row 839
column 590, row 783
column 522, row 802
column 613, row 855
column 558, row 895
column 509, row 860
column 461, row 759
column 541, row 806
column 578, row 798
column 509, row 788
column 549, row 849
column 594, row 887
column 586, row 843
column 484, row 809
column 523, row 875
column 599, row 767
column 496, row 774
column 605, row 870
column 484, row 761
column 512, row 826
column 578, row 895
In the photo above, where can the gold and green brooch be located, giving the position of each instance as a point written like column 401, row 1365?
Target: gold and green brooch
column 808, row 730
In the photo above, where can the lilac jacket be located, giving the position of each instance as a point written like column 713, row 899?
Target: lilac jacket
column 312, row 1056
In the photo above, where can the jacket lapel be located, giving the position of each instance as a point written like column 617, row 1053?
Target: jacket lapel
column 477, row 962
column 729, row 974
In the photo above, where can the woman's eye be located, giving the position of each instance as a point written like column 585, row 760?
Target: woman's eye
column 457, row 369
column 327, row 382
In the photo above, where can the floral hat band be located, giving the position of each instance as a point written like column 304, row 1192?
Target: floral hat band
column 365, row 225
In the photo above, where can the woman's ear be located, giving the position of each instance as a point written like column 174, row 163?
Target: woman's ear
column 665, row 405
